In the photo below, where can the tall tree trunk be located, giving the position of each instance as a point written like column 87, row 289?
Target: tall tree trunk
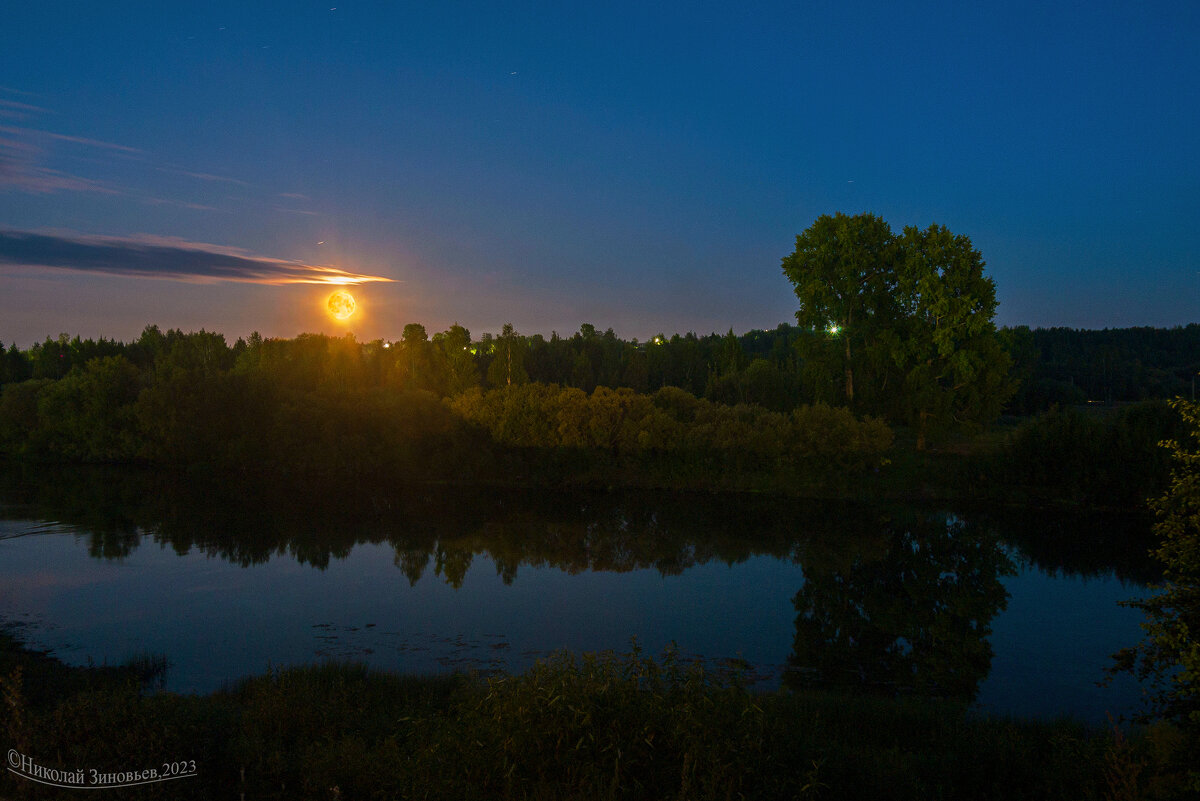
column 849, row 375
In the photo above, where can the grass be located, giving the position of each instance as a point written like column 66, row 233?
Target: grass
column 594, row 726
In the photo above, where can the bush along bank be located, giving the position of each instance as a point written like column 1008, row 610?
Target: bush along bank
column 592, row 726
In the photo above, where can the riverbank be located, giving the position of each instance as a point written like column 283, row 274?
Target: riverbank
column 596, row 726
column 1051, row 462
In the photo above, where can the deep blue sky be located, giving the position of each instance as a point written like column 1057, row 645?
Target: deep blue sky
column 640, row 166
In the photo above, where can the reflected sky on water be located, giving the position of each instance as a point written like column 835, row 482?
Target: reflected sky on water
column 441, row 580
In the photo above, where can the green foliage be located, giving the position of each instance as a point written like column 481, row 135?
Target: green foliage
column 610, row 727
column 595, row 726
column 15, row 366
column 1169, row 657
column 305, row 730
column 685, row 411
column 673, row 435
column 87, row 416
column 102, row 718
column 954, row 368
column 843, row 271
column 330, row 406
column 20, row 426
column 825, row 435
column 460, row 369
column 1087, row 457
column 508, row 362
column 906, row 320
column 1119, row 365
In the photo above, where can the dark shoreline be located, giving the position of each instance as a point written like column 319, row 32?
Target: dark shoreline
column 678, row 730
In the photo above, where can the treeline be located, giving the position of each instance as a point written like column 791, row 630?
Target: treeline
column 758, row 367
column 1054, row 366
column 1066, row 366
column 322, row 406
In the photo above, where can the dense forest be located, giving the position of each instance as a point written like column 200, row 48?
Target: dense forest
column 1055, row 366
column 1066, row 366
column 675, row 411
column 412, row 410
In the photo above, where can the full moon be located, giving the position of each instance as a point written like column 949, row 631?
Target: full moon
column 341, row 304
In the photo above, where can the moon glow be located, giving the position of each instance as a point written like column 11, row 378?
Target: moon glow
column 341, row 305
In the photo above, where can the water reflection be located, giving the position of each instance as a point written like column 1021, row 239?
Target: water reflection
column 248, row 520
column 906, row 612
column 438, row 530
column 895, row 599
column 1077, row 542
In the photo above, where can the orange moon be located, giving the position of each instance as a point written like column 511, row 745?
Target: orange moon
column 341, row 305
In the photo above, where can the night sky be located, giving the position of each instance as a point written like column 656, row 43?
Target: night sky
column 643, row 166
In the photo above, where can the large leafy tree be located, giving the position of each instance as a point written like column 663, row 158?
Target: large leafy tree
column 955, row 369
column 843, row 270
column 907, row 320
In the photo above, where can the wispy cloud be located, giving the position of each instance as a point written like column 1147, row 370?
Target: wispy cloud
column 204, row 176
column 22, row 166
column 19, row 170
column 183, row 204
column 78, row 140
column 13, row 91
column 32, row 161
column 146, row 256
column 20, row 111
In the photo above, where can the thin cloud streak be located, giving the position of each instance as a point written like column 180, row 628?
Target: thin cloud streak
column 78, row 140
column 183, row 204
column 21, row 163
column 146, row 256
column 27, row 177
column 13, row 104
column 203, row 176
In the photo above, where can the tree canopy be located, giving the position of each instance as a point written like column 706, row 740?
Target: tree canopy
column 844, row 273
column 907, row 321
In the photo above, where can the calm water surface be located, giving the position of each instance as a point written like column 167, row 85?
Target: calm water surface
column 999, row 607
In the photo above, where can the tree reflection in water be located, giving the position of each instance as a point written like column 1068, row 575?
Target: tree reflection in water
column 906, row 611
column 896, row 599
